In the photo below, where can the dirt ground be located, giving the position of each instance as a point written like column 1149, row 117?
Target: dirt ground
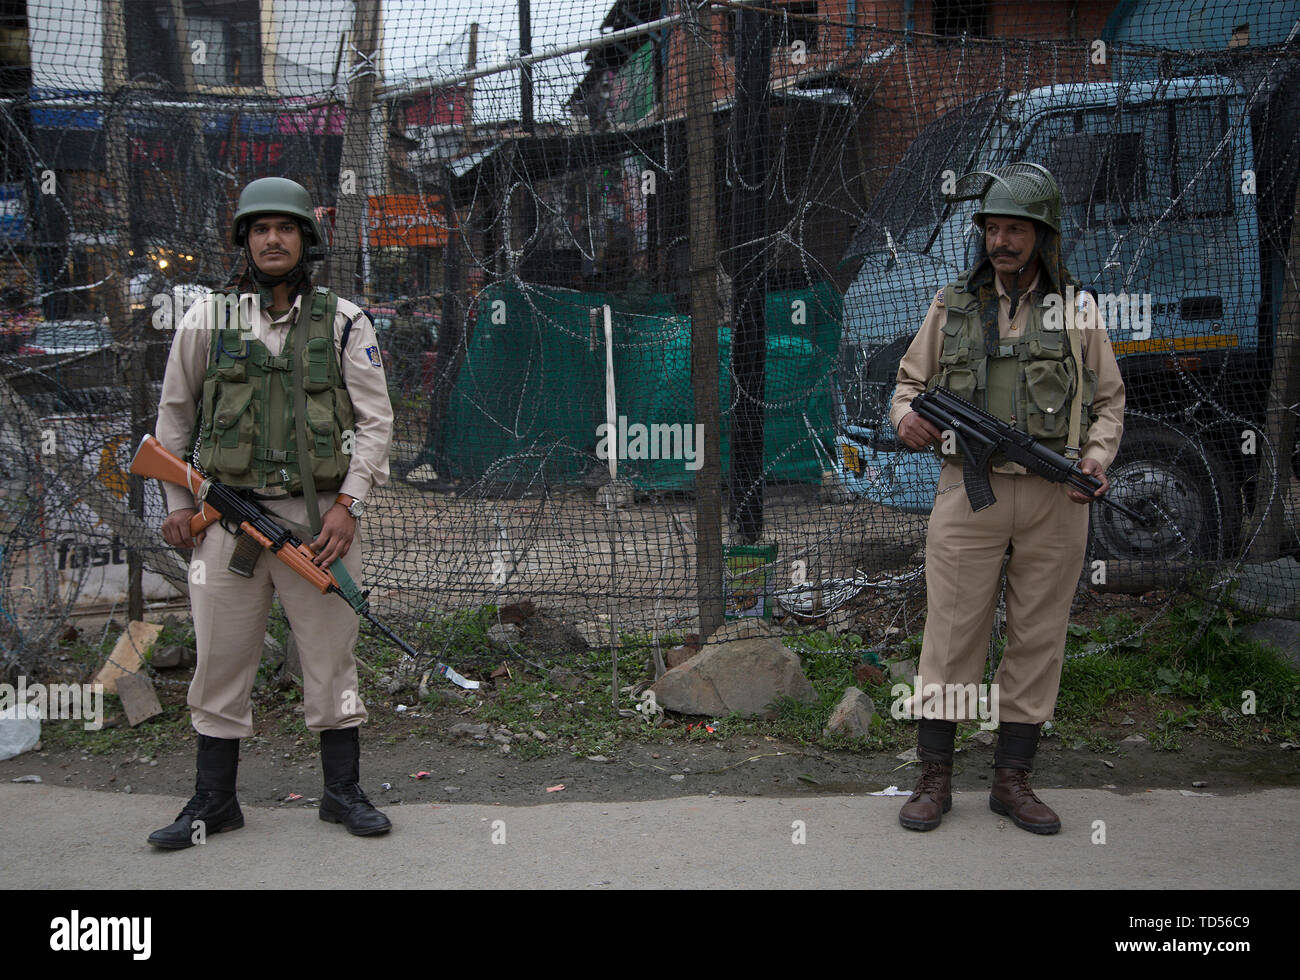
column 279, row 762
column 412, row 756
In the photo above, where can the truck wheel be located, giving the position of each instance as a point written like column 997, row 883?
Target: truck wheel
column 1185, row 489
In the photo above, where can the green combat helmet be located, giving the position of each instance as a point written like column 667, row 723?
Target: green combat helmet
column 279, row 195
column 1018, row 190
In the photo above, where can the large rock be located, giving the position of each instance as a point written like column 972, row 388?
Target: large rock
column 852, row 716
column 743, row 673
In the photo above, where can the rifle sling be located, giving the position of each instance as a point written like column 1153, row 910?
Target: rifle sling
column 1072, row 448
column 304, row 451
column 356, row 599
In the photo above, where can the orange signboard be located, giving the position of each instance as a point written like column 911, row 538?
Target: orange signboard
column 406, row 219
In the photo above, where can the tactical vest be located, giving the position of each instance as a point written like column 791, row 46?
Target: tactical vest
column 248, row 427
column 1029, row 383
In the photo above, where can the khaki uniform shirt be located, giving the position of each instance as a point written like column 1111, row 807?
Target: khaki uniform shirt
column 363, row 377
column 921, row 363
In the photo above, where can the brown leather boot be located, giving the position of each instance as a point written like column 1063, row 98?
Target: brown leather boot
column 1011, row 796
column 931, row 800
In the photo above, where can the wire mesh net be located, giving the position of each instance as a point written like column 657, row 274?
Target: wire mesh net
column 520, row 201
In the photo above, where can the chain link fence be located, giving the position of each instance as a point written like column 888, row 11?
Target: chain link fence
column 641, row 276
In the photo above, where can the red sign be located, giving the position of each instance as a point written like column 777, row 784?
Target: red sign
column 445, row 107
column 406, row 219
column 259, row 152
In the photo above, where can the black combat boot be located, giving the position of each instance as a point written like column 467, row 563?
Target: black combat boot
column 933, row 796
column 213, row 808
column 1010, row 795
column 344, row 802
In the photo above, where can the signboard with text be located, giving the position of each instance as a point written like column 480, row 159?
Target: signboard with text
column 406, row 220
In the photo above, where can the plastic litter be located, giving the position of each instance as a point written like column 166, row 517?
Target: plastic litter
column 891, row 791
column 20, row 729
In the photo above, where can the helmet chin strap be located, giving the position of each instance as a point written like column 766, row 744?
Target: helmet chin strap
column 266, row 279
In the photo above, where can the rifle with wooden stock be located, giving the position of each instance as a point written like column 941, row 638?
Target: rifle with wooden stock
column 242, row 516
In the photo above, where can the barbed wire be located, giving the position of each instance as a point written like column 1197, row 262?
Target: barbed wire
column 491, row 234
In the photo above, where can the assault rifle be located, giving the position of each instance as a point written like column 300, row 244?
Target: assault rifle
column 241, row 516
column 980, row 435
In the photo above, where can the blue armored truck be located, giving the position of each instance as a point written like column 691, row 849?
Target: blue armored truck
column 1162, row 222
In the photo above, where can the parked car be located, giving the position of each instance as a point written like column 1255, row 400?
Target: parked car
column 68, row 337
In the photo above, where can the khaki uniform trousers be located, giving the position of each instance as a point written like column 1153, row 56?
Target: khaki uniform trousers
column 230, row 614
column 1047, row 533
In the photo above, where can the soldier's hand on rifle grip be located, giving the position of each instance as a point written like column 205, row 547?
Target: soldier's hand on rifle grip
column 176, row 529
column 337, row 530
column 1094, row 470
column 916, row 432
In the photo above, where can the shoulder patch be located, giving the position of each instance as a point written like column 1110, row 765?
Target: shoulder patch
column 938, row 298
column 372, row 353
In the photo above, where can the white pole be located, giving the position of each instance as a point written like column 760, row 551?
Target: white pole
column 611, row 415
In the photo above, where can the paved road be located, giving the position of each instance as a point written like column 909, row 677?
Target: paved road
column 57, row 837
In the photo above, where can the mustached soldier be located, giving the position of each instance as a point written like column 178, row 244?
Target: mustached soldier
column 281, row 387
column 995, row 338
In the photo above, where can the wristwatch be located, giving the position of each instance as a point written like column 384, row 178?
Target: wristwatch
column 354, row 507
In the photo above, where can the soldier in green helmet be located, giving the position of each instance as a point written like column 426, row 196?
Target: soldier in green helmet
column 275, row 388
column 1016, row 336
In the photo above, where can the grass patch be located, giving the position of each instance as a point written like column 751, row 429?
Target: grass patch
column 1190, row 672
column 1194, row 670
